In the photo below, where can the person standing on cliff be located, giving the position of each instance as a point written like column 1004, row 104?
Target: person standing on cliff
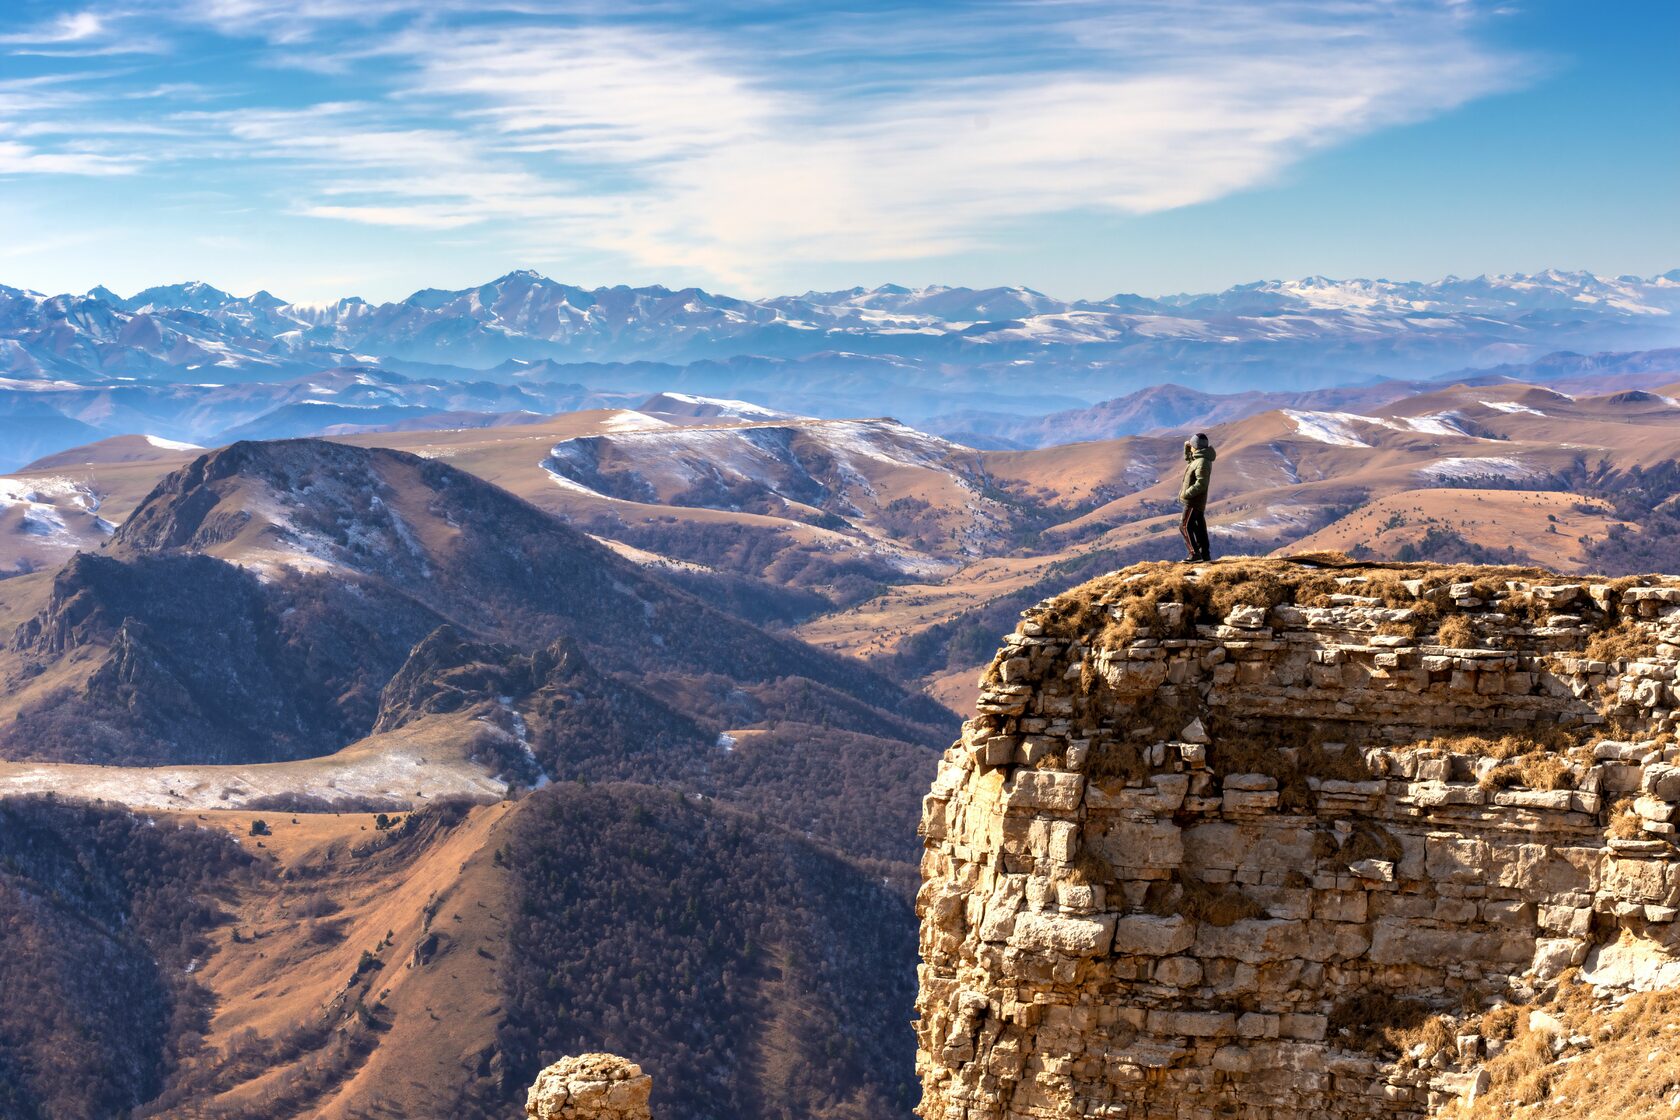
column 1198, row 473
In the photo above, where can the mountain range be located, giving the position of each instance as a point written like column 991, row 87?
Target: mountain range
column 191, row 362
column 291, row 639
column 651, row 693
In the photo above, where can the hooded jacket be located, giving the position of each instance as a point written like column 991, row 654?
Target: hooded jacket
column 1198, row 472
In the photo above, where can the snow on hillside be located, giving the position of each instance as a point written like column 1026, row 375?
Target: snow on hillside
column 172, row 444
column 810, row 471
column 686, row 404
column 1459, row 469
column 1328, row 427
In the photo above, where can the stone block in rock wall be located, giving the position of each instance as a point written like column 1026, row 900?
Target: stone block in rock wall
column 1163, row 796
column 1396, row 941
column 1567, row 921
column 1452, row 859
column 1454, row 911
column 1402, row 905
column 1055, row 840
column 1034, row 749
column 1131, row 679
column 1056, row 705
column 1151, row 935
column 1257, row 1024
column 1553, row 956
column 1192, row 1024
column 1434, row 769
column 1302, row 1025
column 933, row 817
column 1131, row 846
column 1080, row 897
column 1228, row 846
column 1655, row 809
column 1233, row 1059
column 1063, row 935
column 1246, row 803
column 1661, row 781
column 1369, row 870
column 1536, row 870
column 1340, row 906
column 1641, row 880
column 1043, row 789
column 1508, row 912
column 1230, row 978
column 1284, row 902
column 1176, row 972
column 1434, row 795
column 1260, row 940
column 1325, row 676
column 1015, row 670
column 1555, row 800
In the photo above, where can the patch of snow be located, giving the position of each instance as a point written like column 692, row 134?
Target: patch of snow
column 738, row 408
column 648, row 559
column 1328, row 427
column 172, row 444
column 45, row 502
column 576, row 487
column 1460, row 468
column 726, row 741
column 1436, row 424
column 1511, row 406
column 1273, row 521
column 627, row 420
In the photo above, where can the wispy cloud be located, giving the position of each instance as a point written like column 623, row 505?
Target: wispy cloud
column 726, row 149
column 85, row 34
column 734, row 137
column 21, row 159
column 73, row 27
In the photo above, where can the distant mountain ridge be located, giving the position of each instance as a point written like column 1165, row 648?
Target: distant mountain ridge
column 192, row 362
column 524, row 315
column 1178, row 407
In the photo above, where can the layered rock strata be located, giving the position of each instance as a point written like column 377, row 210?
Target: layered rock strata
column 590, row 1087
column 1212, row 841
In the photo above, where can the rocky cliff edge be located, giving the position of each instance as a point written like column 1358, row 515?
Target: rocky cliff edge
column 1282, row 839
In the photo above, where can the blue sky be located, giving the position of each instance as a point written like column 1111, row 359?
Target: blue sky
column 327, row 147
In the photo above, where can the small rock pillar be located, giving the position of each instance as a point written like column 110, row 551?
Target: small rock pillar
column 590, row 1087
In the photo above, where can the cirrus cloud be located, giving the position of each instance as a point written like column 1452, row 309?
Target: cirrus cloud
column 733, row 138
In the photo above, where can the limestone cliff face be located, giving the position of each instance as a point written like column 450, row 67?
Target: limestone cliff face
column 1214, row 845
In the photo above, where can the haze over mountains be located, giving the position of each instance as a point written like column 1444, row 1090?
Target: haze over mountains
column 190, row 362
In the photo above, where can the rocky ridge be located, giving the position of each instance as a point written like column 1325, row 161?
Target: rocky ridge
column 1276, row 839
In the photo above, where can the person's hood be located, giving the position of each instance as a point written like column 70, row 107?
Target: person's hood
column 1203, row 453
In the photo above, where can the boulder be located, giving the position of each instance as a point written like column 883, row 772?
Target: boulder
column 590, row 1087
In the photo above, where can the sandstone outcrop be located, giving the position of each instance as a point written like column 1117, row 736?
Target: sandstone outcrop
column 1274, row 840
column 590, row 1087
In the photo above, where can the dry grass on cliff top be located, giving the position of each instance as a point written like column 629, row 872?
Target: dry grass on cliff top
column 1116, row 609
column 1628, row 1069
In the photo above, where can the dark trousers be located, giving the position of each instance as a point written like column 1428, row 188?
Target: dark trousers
column 1193, row 528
